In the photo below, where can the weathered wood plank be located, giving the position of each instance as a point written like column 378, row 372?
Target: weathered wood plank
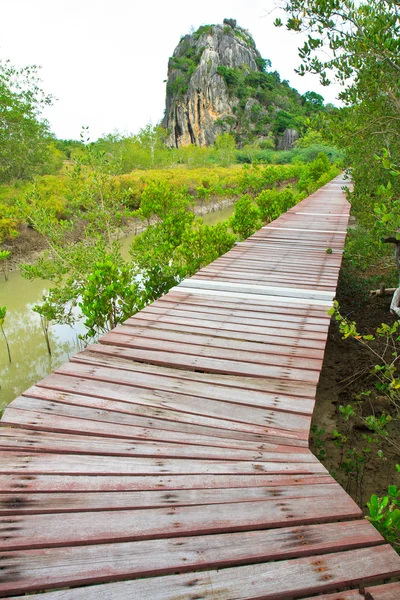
column 100, row 426
column 126, row 339
column 248, row 328
column 151, row 326
column 154, row 335
column 37, row 531
column 276, row 423
column 179, row 360
column 41, row 503
column 60, row 567
column 263, row 322
column 39, row 441
column 88, row 464
column 281, row 580
column 21, row 484
column 188, row 382
column 347, row 595
column 390, row 591
column 180, row 385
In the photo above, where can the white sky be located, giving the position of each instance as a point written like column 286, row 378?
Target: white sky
column 105, row 60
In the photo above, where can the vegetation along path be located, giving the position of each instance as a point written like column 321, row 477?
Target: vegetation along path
column 171, row 460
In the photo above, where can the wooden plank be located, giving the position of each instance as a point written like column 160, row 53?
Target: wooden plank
column 91, row 365
column 122, row 337
column 276, row 290
column 101, row 426
column 22, row 484
column 31, row 570
column 281, row 580
column 103, row 356
column 347, row 595
column 145, row 334
column 41, row 503
column 245, row 327
column 38, row 441
column 274, row 309
column 390, row 591
column 177, row 422
column 37, row 531
column 138, row 415
column 167, row 324
column 88, row 464
column 211, row 365
column 187, row 313
column 180, row 409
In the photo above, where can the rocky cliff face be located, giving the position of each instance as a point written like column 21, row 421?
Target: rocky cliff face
column 218, row 82
column 198, row 95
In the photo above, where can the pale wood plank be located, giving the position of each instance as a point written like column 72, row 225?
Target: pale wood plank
column 212, row 365
column 88, row 464
column 41, row 503
column 390, row 591
column 60, row 567
column 210, row 349
column 267, row 581
column 39, row 441
column 21, row 484
column 26, row 532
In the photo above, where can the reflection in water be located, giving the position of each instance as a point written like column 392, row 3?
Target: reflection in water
column 30, row 360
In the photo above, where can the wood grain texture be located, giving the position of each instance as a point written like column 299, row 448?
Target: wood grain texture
column 390, row 591
column 281, row 580
column 61, row 567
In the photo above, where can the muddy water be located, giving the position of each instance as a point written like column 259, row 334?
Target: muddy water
column 30, row 359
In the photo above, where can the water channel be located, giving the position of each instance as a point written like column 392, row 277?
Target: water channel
column 30, row 359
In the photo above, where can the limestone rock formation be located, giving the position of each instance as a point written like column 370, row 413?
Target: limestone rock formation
column 287, row 140
column 218, row 82
column 198, row 97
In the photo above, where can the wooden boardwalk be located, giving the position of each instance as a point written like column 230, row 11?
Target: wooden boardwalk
column 171, row 462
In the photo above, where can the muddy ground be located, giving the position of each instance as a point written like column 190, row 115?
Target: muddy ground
column 346, row 374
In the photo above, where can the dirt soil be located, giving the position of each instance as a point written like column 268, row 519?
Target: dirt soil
column 345, row 374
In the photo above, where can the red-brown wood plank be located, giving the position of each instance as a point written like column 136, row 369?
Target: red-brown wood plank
column 347, row 595
column 390, row 591
column 211, row 365
column 180, row 380
column 150, row 327
column 282, row 580
column 44, row 441
column 149, row 335
column 32, row 570
column 126, row 339
column 99, row 423
column 88, row 464
column 38, row 483
column 40, row 503
column 245, row 327
column 275, row 423
column 262, row 322
column 47, row 530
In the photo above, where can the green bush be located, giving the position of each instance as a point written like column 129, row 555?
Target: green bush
column 246, row 218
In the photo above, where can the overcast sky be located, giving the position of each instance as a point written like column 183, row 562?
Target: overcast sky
column 106, row 60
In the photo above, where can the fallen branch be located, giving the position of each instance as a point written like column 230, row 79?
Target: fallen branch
column 383, row 291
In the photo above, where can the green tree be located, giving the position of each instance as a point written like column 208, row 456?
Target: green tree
column 24, row 135
column 246, row 218
column 91, row 278
column 225, row 149
column 357, row 43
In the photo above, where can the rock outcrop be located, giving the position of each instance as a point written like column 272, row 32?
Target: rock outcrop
column 218, row 82
column 198, row 97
